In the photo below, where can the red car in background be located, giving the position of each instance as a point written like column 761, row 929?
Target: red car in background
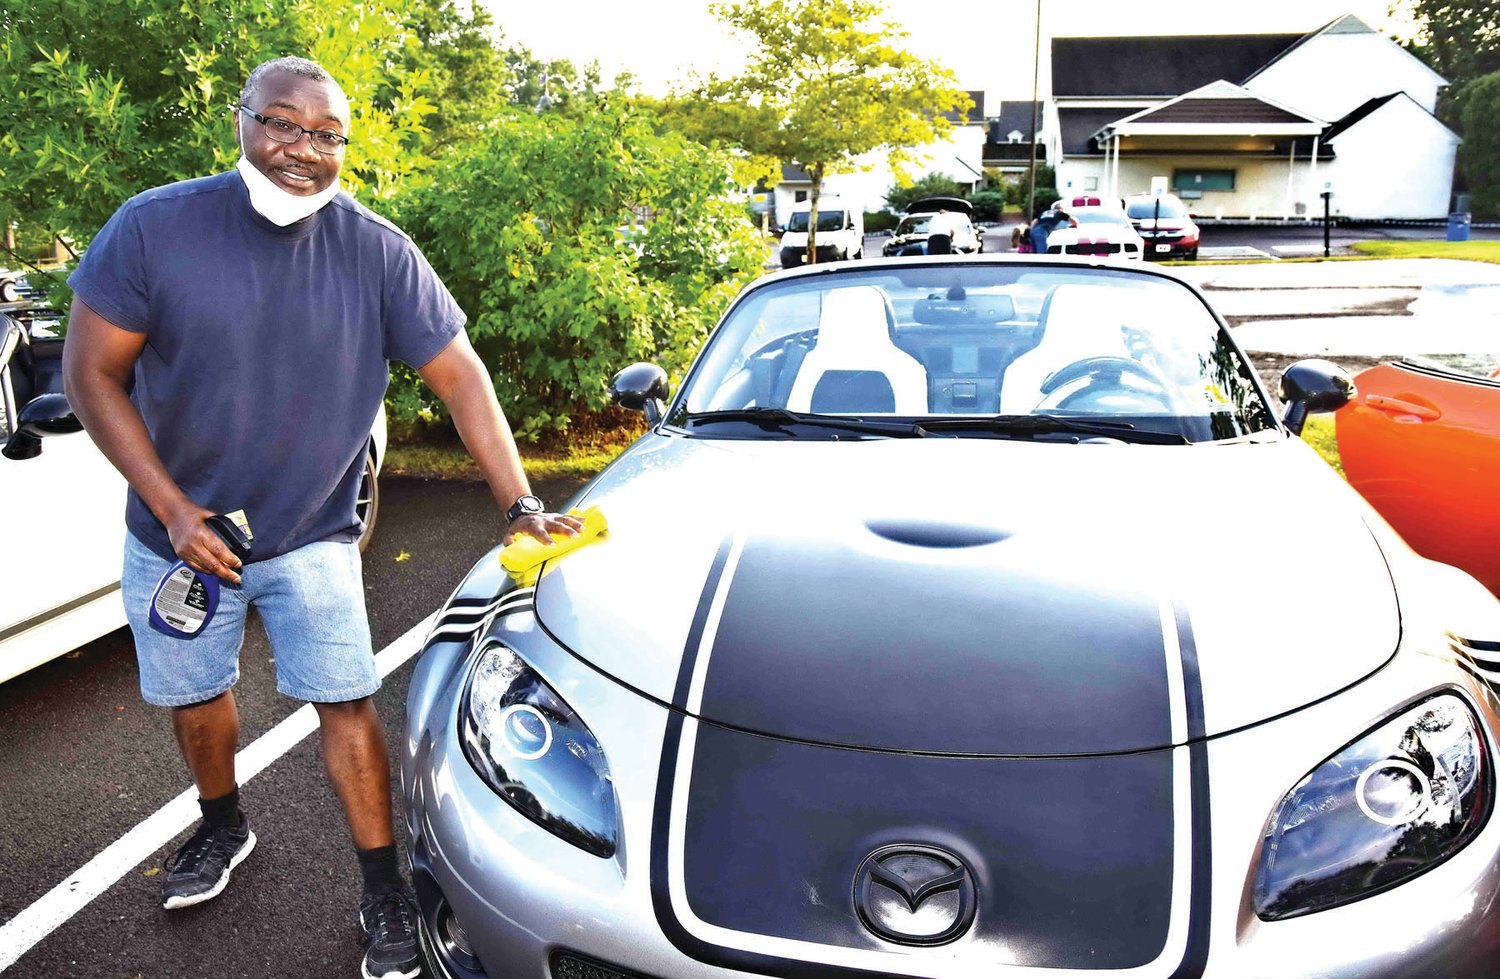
column 1421, row 442
column 1165, row 225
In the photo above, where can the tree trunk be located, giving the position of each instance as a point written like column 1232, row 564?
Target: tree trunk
column 812, row 214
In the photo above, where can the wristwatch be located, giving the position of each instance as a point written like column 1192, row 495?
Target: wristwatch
column 524, row 505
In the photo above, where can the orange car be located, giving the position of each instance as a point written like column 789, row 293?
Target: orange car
column 1421, row 442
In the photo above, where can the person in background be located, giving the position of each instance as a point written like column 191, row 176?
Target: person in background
column 940, row 231
column 257, row 311
column 1047, row 221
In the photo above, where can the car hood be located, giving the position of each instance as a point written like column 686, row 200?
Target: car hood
column 976, row 596
column 1098, row 231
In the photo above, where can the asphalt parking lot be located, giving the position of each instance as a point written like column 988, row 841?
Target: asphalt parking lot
column 84, row 764
column 1259, row 241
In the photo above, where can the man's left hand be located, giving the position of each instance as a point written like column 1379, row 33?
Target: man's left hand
column 542, row 526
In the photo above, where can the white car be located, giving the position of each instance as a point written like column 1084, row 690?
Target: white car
column 60, row 560
column 1103, row 230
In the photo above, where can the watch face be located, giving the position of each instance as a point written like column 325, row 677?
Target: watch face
column 526, row 504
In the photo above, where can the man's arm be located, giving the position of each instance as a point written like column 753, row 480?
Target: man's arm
column 457, row 376
column 98, row 358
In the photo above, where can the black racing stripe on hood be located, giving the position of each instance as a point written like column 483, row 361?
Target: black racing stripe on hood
column 1195, row 959
column 823, row 641
column 1195, row 956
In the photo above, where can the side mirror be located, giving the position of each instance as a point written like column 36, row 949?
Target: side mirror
column 46, row 414
column 1311, row 387
column 641, row 387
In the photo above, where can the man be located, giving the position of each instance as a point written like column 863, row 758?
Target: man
column 256, row 311
column 941, row 228
column 1047, row 221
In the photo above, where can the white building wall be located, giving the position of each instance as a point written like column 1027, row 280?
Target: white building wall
column 1260, row 183
column 1331, row 75
column 1395, row 163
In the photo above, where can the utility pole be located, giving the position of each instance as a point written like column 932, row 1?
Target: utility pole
column 1036, row 71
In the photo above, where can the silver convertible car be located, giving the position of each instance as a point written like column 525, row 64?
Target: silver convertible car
column 963, row 617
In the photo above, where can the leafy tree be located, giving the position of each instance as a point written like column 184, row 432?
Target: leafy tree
column 1479, row 154
column 101, row 99
column 1460, row 40
column 826, row 85
column 470, row 76
column 527, row 224
column 899, row 198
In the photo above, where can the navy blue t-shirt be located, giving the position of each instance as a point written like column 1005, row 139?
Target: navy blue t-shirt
column 267, row 348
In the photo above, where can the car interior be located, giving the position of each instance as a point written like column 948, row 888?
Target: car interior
column 954, row 351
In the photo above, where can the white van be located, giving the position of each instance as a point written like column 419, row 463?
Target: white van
column 841, row 232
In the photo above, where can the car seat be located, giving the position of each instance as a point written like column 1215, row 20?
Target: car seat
column 1077, row 322
column 856, row 367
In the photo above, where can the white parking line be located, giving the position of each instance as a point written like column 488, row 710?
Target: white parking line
column 47, row 914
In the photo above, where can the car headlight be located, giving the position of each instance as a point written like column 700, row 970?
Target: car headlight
column 1392, row 805
column 532, row 749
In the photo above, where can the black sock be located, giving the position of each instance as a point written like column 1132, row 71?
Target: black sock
column 379, row 868
column 223, row 811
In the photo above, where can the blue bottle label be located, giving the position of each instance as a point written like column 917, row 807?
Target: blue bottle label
column 184, row 601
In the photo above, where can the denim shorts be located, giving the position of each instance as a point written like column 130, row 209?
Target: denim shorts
column 312, row 603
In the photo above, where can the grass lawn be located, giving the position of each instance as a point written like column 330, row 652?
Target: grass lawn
column 1318, row 433
column 1473, row 251
column 576, row 457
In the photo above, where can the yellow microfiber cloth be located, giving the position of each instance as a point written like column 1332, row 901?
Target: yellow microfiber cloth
column 525, row 552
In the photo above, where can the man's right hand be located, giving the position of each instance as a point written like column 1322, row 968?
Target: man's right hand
column 198, row 545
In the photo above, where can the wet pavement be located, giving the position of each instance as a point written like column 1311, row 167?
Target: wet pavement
column 1378, row 308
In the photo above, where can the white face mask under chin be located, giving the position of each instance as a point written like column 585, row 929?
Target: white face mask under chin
column 276, row 205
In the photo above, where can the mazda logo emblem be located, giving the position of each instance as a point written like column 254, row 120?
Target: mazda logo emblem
column 915, row 894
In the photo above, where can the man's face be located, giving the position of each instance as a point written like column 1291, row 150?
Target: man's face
column 296, row 168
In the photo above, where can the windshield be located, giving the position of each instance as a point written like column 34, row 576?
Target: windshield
column 914, row 225
column 1145, row 209
column 827, row 221
column 1111, row 347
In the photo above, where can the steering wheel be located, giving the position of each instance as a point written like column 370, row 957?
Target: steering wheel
column 1100, row 367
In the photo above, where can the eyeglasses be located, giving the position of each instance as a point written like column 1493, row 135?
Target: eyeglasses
column 286, row 131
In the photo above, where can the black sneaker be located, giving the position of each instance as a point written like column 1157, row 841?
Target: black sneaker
column 389, row 924
column 199, row 870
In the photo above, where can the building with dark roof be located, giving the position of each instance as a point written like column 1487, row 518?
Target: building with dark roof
column 1253, row 125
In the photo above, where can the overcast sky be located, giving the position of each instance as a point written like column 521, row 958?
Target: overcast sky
column 987, row 43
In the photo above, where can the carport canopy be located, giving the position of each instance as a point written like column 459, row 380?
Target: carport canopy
column 1219, row 117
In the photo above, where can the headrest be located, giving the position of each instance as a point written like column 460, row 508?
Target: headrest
column 855, row 316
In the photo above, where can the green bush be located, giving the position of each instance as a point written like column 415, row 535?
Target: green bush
column 1046, row 188
column 523, row 224
column 988, row 204
column 880, row 221
column 899, row 198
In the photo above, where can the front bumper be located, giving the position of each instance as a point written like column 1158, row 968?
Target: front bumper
column 533, row 905
column 1177, row 245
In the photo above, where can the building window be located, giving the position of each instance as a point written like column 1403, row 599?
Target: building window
column 1090, row 183
column 800, row 196
column 1014, row 136
column 1201, row 180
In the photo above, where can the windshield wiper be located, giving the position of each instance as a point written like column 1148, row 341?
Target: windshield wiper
column 1047, row 424
column 781, row 420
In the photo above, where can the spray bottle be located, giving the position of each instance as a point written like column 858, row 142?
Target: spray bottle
column 185, row 600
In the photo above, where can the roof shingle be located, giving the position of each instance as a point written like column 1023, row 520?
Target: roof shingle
column 1158, row 66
